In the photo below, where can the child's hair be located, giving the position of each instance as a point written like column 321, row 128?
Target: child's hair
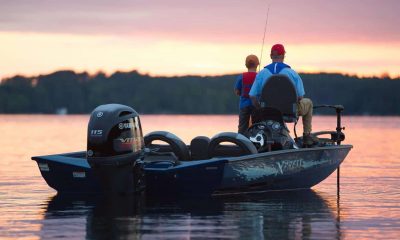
column 252, row 61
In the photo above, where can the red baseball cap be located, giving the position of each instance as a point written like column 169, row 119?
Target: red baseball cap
column 278, row 49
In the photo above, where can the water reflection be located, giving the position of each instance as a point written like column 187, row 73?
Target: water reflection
column 278, row 215
column 370, row 189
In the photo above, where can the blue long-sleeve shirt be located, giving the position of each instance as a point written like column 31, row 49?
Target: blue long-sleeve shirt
column 276, row 68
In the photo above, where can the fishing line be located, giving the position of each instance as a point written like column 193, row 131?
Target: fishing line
column 265, row 30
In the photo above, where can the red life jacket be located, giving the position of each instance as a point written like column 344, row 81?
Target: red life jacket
column 247, row 82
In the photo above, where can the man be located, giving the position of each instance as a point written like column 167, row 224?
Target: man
column 304, row 105
column 243, row 85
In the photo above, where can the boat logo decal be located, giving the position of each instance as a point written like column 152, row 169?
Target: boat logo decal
column 125, row 125
column 100, row 114
column 90, row 153
column 134, row 140
column 289, row 165
column 126, row 140
column 96, row 132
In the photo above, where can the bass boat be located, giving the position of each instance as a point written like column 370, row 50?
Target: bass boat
column 120, row 160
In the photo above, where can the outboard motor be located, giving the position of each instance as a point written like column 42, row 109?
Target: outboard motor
column 270, row 135
column 115, row 148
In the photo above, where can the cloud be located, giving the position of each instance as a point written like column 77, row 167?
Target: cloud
column 209, row 20
column 168, row 37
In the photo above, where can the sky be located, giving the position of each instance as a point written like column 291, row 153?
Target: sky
column 208, row 37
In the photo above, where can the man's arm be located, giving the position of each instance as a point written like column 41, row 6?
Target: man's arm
column 298, row 82
column 256, row 90
column 299, row 86
column 255, row 102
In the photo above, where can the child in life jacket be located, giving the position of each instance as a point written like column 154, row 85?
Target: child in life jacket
column 242, row 88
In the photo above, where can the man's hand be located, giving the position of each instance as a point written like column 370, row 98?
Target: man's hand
column 237, row 92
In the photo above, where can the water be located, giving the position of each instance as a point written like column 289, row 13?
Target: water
column 368, row 207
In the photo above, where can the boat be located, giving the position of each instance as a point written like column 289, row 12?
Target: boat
column 120, row 160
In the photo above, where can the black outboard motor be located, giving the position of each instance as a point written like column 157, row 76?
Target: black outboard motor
column 115, row 148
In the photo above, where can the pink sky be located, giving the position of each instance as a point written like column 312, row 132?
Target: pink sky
column 350, row 36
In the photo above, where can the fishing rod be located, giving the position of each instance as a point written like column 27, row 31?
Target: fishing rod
column 265, row 30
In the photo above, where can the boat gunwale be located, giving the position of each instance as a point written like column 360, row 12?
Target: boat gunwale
column 67, row 156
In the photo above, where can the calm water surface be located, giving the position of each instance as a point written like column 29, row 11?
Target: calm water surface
column 368, row 207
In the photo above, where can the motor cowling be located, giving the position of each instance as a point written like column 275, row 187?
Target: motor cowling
column 115, row 147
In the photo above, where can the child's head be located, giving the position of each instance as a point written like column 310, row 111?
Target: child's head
column 252, row 61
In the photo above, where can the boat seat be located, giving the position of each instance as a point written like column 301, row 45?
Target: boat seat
column 240, row 145
column 280, row 93
column 267, row 113
column 175, row 144
column 199, row 147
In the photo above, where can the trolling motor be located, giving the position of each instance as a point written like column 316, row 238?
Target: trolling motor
column 335, row 136
column 115, row 148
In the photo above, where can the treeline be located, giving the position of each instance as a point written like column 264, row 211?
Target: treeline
column 81, row 93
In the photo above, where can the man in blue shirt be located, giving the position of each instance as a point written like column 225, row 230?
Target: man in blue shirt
column 304, row 105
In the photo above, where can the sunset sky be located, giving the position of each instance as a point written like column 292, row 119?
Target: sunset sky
column 208, row 37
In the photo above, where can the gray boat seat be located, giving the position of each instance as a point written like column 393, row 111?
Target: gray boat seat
column 280, row 93
column 239, row 145
column 199, row 148
column 174, row 144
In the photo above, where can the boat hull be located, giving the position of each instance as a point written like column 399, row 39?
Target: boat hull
column 282, row 170
column 278, row 170
column 192, row 179
column 68, row 173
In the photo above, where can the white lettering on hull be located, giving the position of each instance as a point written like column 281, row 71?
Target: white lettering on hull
column 289, row 165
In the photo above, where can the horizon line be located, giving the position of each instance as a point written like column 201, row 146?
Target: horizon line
column 382, row 75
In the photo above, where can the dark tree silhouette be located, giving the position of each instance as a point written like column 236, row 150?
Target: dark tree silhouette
column 81, row 93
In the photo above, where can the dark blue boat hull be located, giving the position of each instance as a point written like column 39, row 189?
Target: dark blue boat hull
column 68, row 173
column 282, row 170
column 278, row 170
column 195, row 179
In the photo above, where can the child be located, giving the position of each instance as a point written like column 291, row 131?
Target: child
column 242, row 88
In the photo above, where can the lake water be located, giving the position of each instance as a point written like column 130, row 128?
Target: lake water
column 368, row 207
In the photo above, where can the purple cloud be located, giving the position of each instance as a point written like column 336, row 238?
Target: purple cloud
column 226, row 21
